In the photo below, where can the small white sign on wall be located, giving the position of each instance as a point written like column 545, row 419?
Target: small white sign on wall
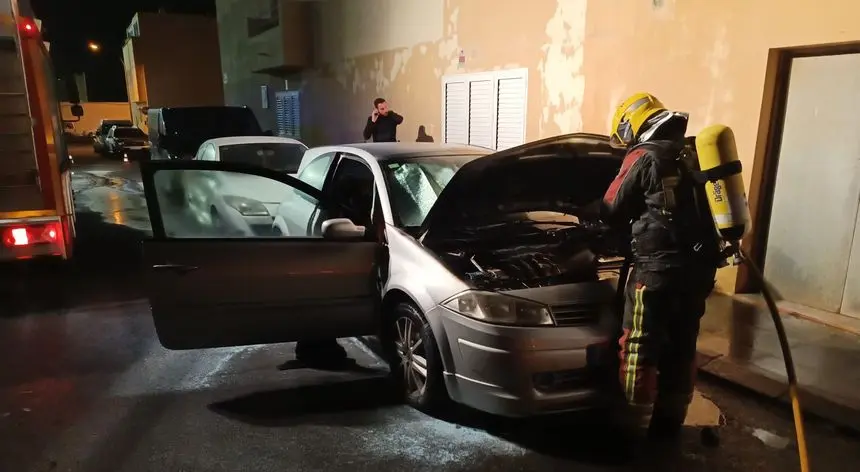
column 264, row 95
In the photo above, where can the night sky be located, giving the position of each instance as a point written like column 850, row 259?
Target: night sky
column 70, row 24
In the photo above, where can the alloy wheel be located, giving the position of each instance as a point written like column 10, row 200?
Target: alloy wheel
column 413, row 361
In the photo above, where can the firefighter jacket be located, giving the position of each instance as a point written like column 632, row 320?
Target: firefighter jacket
column 653, row 198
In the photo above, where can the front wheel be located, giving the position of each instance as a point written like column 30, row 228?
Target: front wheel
column 416, row 365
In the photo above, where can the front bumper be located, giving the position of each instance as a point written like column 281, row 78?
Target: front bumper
column 517, row 371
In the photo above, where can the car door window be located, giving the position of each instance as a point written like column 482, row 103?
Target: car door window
column 353, row 186
column 208, row 153
column 196, row 203
column 314, row 173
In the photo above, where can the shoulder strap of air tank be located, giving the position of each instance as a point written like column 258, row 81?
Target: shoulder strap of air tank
column 719, row 172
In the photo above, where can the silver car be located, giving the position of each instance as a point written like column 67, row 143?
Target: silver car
column 482, row 274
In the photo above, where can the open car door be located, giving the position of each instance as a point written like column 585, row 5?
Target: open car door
column 217, row 275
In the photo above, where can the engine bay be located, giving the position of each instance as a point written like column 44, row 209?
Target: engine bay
column 529, row 259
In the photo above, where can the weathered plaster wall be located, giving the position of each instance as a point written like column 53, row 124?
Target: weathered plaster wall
column 403, row 50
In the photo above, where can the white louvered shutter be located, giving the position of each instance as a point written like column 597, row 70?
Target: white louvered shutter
column 288, row 114
column 481, row 113
column 456, row 112
column 511, row 112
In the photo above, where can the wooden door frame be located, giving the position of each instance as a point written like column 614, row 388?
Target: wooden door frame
column 766, row 156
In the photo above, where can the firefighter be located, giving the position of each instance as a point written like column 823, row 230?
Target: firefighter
column 675, row 255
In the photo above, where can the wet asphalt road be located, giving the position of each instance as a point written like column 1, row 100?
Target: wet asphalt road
column 85, row 386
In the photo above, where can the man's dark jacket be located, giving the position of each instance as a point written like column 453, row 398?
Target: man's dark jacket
column 385, row 128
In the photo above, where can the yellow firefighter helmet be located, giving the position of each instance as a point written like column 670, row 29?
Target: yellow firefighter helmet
column 631, row 115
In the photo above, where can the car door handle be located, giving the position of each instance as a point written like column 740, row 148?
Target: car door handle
column 182, row 269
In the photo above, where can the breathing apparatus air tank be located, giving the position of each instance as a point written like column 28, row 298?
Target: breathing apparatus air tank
column 721, row 172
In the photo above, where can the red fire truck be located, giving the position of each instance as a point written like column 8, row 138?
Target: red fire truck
column 37, row 214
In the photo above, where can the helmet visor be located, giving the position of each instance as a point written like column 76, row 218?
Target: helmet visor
column 623, row 135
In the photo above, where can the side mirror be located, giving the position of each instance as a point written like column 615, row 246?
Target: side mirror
column 341, row 228
column 77, row 110
column 268, row 132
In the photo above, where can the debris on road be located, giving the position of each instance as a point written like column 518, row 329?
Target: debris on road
column 770, row 439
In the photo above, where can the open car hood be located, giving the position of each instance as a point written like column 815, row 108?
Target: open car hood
column 560, row 174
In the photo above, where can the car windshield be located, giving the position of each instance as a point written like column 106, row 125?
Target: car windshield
column 284, row 157
column 128, row 133
column 415, row 184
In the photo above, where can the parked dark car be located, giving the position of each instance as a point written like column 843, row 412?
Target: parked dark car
column 102, row 131
column 177, row 133
column 127, row 141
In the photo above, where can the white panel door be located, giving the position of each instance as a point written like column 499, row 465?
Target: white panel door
column 511, row 112
column 481, row 113
column 456, row 113
column 851, row 297
column 815, row 201
column 486, row 109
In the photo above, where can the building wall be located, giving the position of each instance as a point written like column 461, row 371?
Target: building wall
column 583, row 56
column 179, row 59
column 94, row 112
column 241, row 56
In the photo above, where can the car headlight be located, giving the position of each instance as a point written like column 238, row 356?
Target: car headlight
column 246, row 206
column 502, row 309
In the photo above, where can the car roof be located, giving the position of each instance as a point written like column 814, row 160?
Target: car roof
column 389, row 151
column 232, row 140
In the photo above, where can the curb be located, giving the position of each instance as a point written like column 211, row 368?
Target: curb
column 840, row 411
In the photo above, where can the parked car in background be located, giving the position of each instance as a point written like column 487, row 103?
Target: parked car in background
column 271, row 152
column 127, row 142
column 216, row 197
column 102, row 131
column 485, row 276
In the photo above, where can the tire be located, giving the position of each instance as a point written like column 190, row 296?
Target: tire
column 409, row 355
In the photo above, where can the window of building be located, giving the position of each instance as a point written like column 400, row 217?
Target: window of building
column 133, row 30
column 288, row 113
column 486, row 109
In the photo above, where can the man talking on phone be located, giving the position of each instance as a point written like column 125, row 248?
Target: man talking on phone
column 382, row 123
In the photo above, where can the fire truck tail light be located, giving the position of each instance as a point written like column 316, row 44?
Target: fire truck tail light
column 17, row 237
column 33, row 234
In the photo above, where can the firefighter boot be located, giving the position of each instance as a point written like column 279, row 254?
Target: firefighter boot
column 667, row 420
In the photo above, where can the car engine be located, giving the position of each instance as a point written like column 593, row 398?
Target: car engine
column 560, row 257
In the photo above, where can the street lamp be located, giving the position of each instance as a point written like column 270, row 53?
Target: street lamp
column 94, row 46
